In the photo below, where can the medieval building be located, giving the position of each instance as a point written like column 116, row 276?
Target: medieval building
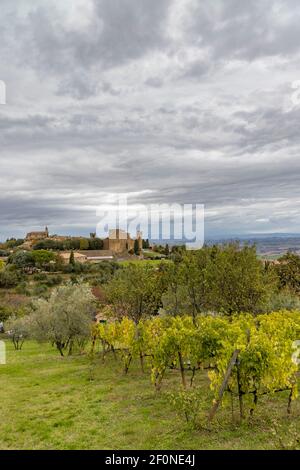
column 32, row 236
column 120, row 241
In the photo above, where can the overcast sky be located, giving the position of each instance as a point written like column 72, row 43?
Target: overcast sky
column 164, row 100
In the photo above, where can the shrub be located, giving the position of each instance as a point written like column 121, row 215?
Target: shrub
column 40, row 290
column 22, row 259
column 40, row 277
column 9, row 277
column 53, row 280
column 22, row 289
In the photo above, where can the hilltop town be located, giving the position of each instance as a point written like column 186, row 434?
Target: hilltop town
column 117, row 245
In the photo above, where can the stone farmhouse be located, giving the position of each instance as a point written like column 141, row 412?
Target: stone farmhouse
column 87, row 256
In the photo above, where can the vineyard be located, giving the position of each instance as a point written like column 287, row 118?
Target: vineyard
column 245, row 357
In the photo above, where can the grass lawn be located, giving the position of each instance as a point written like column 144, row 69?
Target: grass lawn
column 149, row 261
column 48, row 402
column 269, row 257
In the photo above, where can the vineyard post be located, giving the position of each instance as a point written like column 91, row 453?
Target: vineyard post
column 137, row 337
column 231, row 364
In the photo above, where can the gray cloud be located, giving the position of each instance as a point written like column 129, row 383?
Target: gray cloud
column 246, row 30
column 190, row 101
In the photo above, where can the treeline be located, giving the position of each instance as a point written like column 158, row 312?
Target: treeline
column 10, row 244
column 70, row 244
column 226, row 280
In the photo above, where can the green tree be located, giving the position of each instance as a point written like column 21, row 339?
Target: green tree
column 84, row 244
column 49, row 245
column 136, row 247
column 224, row 279
column 18, row 329
column 238, row 282
column 188, row 290
column 13, row 242
column 22, row 259
column 145, row 244
column 65, row 318
column 288, row 271
column 95, row 244
column 135, row 292
column 72, row 258
column 42, row 258
column 10, row 277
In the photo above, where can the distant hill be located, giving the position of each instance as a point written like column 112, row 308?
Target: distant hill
column 270, row 246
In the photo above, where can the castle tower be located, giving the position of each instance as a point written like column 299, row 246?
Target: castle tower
column 47, row 232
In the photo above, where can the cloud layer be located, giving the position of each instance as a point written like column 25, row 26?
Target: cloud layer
column 167, row 101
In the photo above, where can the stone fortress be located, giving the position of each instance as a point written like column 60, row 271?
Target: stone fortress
column 120, row 241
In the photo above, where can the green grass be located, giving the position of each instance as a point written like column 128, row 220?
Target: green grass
column 48, row 402
column 149, row 262
column 269, row 256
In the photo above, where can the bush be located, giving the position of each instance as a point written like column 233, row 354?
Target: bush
column 12, row 242
column 283, row 300
column 53, row 280
column 188, row 403
column 22, row 259
column 40, row 290
column 42, row 258
column 4, row 253
column 5, row 312
column 40, row 277
column 9, row 278
column 22, row 289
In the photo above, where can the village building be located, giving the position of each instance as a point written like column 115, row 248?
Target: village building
column 93, row 256
column 87, row 256
column 120, row 241
column 33, row 236
column 78, row 257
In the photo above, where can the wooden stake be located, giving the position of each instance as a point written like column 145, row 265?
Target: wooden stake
column 231, row 364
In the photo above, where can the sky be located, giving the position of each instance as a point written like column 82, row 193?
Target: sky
column 164, row 101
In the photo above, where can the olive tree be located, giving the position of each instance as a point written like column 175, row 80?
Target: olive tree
column 18, row 330
column 65, row 318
